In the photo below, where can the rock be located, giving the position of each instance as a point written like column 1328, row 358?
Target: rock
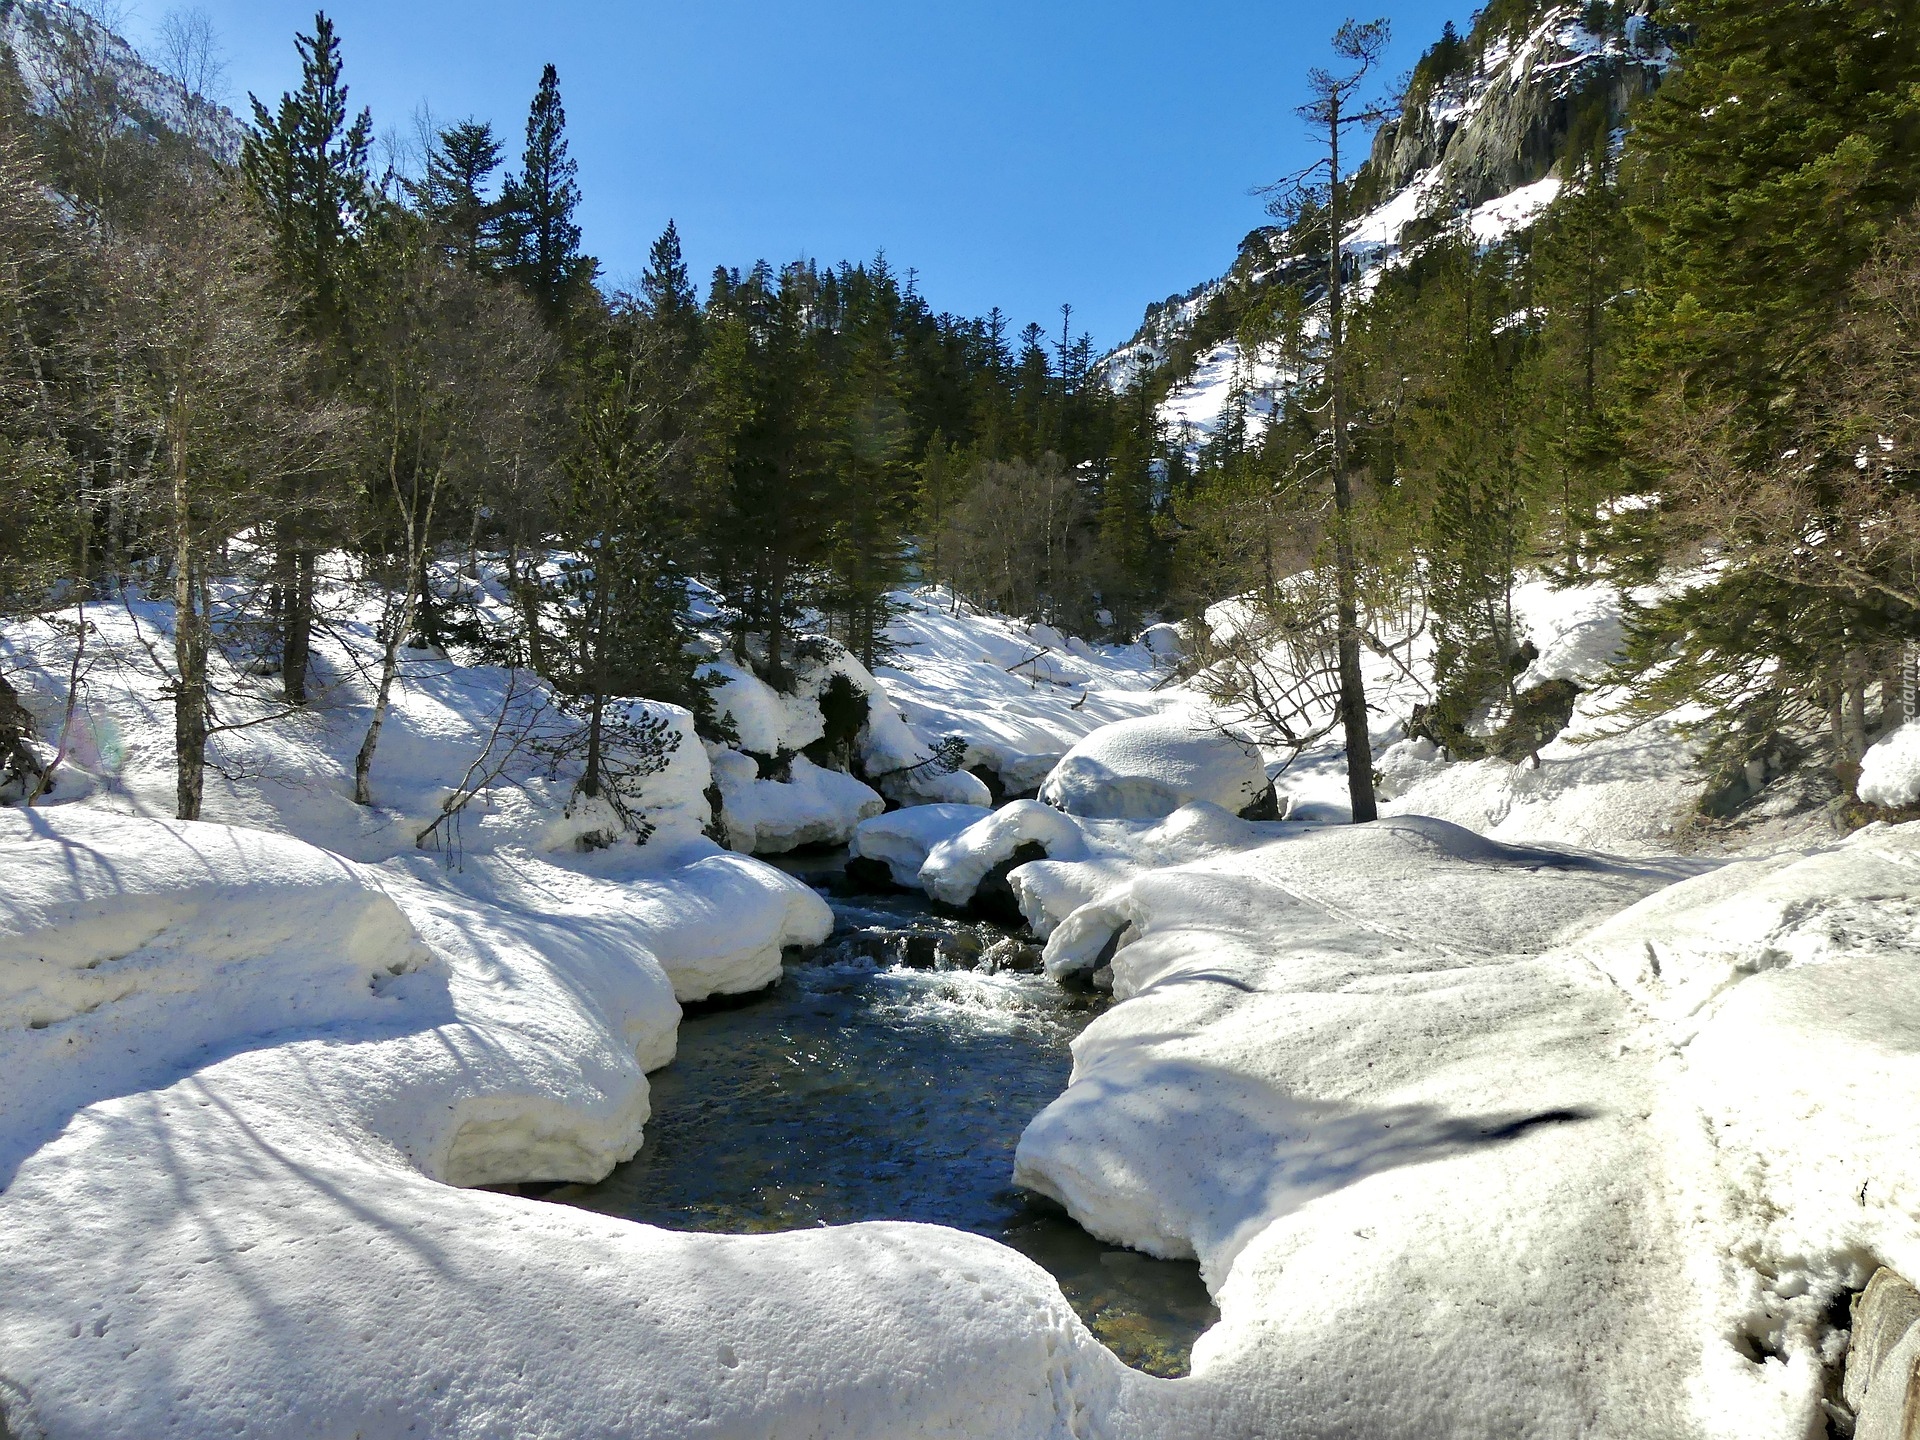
column 1008, row 953
column 993, row 899
column 869, row 877
column 16, row 1419
column 1882, row 1384
column 1890, row 771
column 960, row 951
column 1147, row 768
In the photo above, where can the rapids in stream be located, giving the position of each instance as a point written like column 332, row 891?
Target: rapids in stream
column 865, row 1087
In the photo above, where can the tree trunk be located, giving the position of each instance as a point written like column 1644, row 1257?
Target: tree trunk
column 525, row 588
column 776, row 620
column 399, row 627
column 382, row 700
column 189, row 650
column 296, row 621
column 1353, row 695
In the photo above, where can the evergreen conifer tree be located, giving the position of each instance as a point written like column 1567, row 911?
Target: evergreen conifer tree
column 452, row 194
column 306, row 163
column 539, row 230
column 665, row 289
column 306, row 166
column 1126, row 520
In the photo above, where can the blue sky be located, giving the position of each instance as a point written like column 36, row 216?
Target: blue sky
column 1019, row 154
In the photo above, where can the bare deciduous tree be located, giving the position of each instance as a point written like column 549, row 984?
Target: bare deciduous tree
column 219, row 386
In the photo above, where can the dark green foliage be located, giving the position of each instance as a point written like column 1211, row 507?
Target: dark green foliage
column 307, row 165
column 843, row 710
column 538, row 229
column 452, row 195
column 1762, row 175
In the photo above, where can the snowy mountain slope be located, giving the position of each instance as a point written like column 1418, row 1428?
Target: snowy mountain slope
column 35, row 32
column 1480, row 140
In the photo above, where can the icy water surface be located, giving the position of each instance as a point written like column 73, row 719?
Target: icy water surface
column 861, row 1088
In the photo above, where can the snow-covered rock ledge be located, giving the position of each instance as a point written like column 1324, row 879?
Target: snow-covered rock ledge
column 1456, row 1161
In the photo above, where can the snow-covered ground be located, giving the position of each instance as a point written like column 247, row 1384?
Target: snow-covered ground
column 1019, row 694
column 1470, row 1136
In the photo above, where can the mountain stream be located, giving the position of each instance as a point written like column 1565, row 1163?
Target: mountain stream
column 888, row 1077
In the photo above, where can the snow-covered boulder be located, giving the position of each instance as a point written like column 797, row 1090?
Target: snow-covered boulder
column 1404, row 764
column 763, row 720
column 1149, row 767
column 955, row 867
column 902, row 839
column 1164, row 642
column 1890, row 770
column 814, row 806
column 719, row 925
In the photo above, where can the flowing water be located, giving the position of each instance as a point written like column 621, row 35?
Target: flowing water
column 863, row 1087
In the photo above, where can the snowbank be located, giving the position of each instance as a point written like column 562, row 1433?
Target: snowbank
column 813, row 806
column 127, row 946
column 1020, row 696
column 1890, row 770
column 1622, row 1131
column 1149, row 767
column 955, row 866
column 1338, row 1073
column 1626, row 793
column 248, row 1224
column 903, row 839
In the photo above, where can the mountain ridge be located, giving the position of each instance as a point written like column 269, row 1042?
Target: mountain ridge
column 1487, row 121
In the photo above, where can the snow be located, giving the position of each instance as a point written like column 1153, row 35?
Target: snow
column 1019, row 695
column 1164, row 642
column 814, row 806
column 902, row 840
column 1890, row 770
column 761, row 716
column 1599, row 784
column 1475, row 1128
column 1628, row 793
column 1337, row 1073
column 269, row 1242
column 295, row 776
column 955, row 866
column 246, row 1074
column 1379, row 229
column 1150, row 767
column 1507, row 215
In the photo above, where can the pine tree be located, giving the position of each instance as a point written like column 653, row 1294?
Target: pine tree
column 766, row 456
column 542, row 238
column 666, row 291
column 1579, row 261
column 1761, row 178
column 623, row 596
column 1337, row 106
column 1763, row 172
column 306, row 166
column 452, row 194
column 1126, row 555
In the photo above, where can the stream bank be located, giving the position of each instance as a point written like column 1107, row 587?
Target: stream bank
column 863, row 1087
